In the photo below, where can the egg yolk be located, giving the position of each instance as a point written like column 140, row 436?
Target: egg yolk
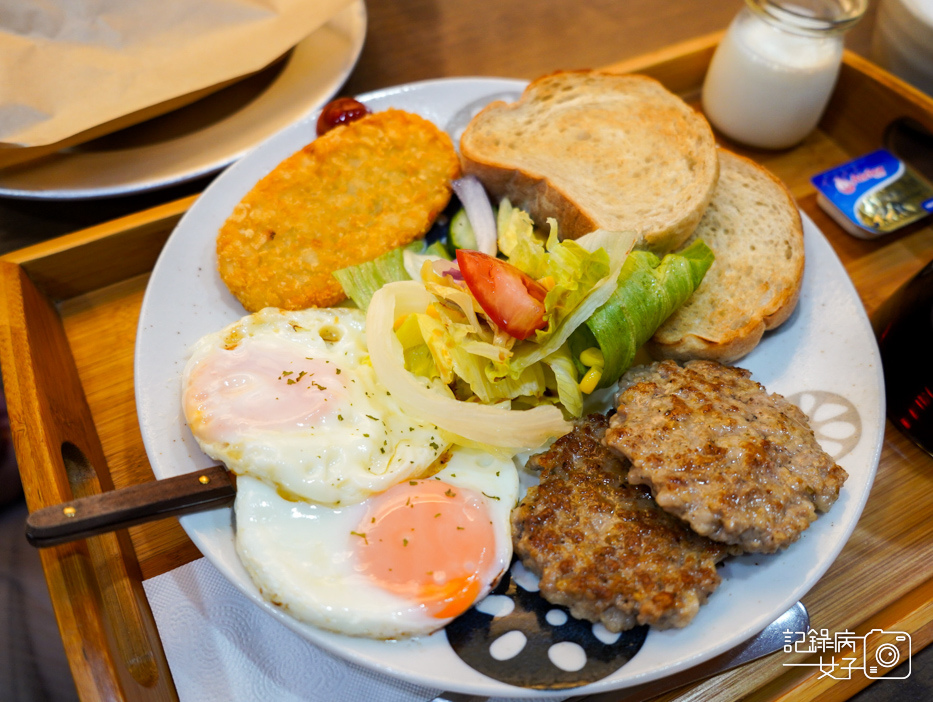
column 430, row 542
column 259, row 385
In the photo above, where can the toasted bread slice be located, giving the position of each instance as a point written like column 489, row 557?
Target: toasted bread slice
column 753, row 226
column 598, row 150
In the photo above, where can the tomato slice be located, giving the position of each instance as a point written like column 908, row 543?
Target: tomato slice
column 509, row 297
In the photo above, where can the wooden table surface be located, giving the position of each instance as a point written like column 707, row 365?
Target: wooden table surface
column 419, row 39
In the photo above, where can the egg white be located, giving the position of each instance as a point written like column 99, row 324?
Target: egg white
column 290, row 398
column 301, row 555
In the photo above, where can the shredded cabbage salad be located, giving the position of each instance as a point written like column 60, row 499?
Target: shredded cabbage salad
column 445, row 358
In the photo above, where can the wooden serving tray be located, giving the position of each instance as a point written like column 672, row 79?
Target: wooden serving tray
column 69, row 312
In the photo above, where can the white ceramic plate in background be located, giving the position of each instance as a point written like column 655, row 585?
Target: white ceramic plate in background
column 205, row 136
column 825, row 358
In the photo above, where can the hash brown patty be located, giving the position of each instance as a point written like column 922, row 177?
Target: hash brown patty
column 741, row 466
column 347, row 197
column 602, row 547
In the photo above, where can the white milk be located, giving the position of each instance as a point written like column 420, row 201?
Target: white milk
column 768, row 87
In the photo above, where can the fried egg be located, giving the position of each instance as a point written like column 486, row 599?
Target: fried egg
column 402, row 563
column 290, row 398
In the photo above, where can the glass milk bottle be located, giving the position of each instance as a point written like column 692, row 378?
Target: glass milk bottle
column 772, row 74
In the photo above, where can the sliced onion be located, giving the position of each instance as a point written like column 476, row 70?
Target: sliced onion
column 479, row 211
column 444, row 267
column 476, row 423
column 414, row 261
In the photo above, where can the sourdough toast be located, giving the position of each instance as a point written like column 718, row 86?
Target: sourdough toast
column 598, row 150
column 753, row 226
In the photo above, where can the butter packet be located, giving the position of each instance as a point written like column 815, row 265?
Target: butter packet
column 874, row 194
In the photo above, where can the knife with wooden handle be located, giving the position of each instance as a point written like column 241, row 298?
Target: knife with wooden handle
column 116, row 509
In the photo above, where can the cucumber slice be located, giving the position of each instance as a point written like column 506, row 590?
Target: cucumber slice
column 461, row 232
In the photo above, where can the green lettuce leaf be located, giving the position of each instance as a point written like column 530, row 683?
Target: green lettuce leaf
column 572, row 270
column 359, row 282
column 565, row 376
column 649, row 291
column 518, row 240
column 457, row 357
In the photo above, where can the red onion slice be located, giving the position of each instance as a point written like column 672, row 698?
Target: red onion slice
column 442, row 267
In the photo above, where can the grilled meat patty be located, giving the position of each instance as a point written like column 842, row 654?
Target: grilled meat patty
column 602, row 547
column 741, row 466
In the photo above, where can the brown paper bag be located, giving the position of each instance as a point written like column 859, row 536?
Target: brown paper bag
column 78, row 69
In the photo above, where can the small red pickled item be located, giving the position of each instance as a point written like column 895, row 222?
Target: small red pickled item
column 340, row 111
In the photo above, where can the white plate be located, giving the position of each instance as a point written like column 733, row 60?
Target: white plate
column 825, row 357
column 210, row 134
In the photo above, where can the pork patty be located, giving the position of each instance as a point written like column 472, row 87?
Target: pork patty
column 741, row 466
column 602, row 547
